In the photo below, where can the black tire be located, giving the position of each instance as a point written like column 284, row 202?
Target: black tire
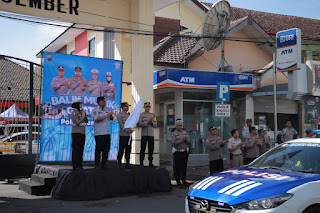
column 312, row 209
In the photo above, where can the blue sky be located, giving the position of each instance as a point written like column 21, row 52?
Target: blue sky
column 24, row 40
column 303, row 8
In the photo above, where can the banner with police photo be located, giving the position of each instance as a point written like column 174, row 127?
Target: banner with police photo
column 66, row 77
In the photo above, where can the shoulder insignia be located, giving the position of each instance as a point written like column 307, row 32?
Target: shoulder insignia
column 94, row 112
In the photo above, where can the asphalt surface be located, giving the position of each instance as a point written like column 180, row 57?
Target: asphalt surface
column 14, row 200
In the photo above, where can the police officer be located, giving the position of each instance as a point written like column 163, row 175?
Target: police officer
column 79, row 119
column 94, row 86
column 263, row 142
column 235, row 148
column 252, row 149
column 101, row 117
column 147, row 121
column 108, row 88
column 309, row 133
column 124, row 143
column 215, row 144
column 60, row 83
column 78, row 83
column 289, row 132
column 245, row 129
column 180, row 141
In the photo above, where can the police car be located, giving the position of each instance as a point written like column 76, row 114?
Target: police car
column 286, row 179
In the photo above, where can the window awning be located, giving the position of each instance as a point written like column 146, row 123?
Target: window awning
column 200, row 79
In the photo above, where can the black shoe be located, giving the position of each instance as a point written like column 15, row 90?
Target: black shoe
column 185, row 182
column 128, row 166
column 141, row 166
column 178, row 183
column 120, row 165
column 151, row 165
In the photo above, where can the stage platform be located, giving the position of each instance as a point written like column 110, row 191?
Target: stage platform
column 95, row 184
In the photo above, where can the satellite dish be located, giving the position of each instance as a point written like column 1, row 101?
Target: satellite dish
column 215, row 28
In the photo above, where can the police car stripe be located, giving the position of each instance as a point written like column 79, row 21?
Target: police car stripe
column 232, row 185
column 205, row 182
column 206, row 179
column 246, row 189
column 239, row 187
column 210, row 183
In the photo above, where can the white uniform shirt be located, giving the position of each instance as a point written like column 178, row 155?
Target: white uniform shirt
column 232, row 143
column 101, row 127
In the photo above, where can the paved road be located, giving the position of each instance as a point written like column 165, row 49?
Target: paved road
column 14, row 200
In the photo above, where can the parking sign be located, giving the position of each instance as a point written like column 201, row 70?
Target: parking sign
column 223, row 91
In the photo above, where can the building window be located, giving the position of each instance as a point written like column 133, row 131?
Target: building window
column 92, row 47
column 72, row 52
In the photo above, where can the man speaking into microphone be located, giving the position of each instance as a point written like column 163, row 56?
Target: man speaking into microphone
column 101, row 118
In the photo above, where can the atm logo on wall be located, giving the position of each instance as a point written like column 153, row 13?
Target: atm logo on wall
column 188, row 80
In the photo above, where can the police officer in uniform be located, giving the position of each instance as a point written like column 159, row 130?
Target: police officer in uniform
column 245, row 129
column 180, row 141
column 215, row 144
column 124, row 143
column 108, row 88
column 252, row 149
column 78, row 83
column 289, row 132
column 147, row 121
column 60, row 83
column 94, row 86
column 235, row 148
column 79, row 119
column 101, row 117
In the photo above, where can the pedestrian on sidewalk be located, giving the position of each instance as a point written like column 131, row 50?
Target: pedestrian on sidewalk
column 79, row 120
column 215, row 144
column 102, row 117
column 124, row 143
column 180, row 140
column 235, row 148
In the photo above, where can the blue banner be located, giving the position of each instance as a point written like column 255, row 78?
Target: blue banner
column 66, row 77
column 200, row 79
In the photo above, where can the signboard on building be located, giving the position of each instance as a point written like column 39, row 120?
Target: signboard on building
column 200, row 79
column 65, row 78
column 312, row 109
column 222, row 110
column 289, row 50
column 223, row 91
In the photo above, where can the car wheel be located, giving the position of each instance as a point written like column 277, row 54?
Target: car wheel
column 312, row 209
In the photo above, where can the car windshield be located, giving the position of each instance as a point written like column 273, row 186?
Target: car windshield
column 296, row 156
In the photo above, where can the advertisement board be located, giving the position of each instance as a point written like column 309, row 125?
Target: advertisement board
column 65, row 78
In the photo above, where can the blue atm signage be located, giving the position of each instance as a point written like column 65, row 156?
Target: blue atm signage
column 289, row 50
column 200, row 79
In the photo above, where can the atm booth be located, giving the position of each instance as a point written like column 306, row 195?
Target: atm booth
column 192, row 96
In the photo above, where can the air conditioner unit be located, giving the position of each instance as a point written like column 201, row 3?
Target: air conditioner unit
column 298, row 83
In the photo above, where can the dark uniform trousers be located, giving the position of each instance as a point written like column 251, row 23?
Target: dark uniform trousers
column 102, row 146
column 216, row 166
column 78, row 141
column 123, row 146
column 144, row 141
column 180, row 162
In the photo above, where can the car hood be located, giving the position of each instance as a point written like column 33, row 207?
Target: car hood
column 243, row 184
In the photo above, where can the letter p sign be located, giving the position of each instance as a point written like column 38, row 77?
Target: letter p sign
column 223, row 91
